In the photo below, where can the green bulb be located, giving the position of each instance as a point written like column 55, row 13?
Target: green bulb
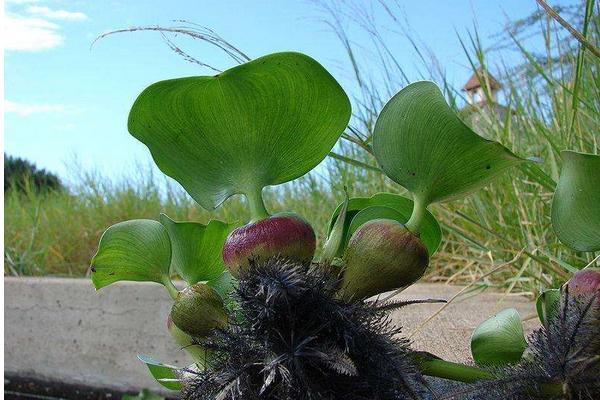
column 382, row 255
column 198, row 309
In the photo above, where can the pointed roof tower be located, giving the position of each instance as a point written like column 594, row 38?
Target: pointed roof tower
column 475, row 89
column 473, row 83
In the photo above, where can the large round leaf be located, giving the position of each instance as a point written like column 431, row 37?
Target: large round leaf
column 423, row 145
column 197, row 249
column 379, row 205
column 499, row 340
column 262, row 123
column 576, row 204
column 135, row 250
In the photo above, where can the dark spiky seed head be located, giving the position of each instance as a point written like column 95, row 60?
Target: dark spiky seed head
column 294, row 339
column 563, row 359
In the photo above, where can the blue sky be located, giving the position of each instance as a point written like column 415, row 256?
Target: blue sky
column 64, row 100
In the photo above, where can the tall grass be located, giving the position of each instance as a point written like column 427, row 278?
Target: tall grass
column 56, row 233
column 554, row 102
column 553, row 98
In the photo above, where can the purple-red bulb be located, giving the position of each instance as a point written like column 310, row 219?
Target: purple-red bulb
column 283, row 235
column 585, row 282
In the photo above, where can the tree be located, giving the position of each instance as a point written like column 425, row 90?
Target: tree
column 22, row 175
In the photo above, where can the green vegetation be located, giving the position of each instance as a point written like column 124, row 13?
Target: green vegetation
column 499, row 236
column 276, row 322
column 57, row 233
column 22, row 175
column 249, row 101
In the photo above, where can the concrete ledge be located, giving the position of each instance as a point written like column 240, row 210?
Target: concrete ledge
column 448, row 335
column 63, row 330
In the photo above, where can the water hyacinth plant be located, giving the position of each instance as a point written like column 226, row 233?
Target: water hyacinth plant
column 263, row 318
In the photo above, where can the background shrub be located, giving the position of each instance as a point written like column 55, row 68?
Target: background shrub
column 23, row 175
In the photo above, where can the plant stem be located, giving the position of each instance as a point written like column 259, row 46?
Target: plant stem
column 468, row 374
column 416, row 218
column 454, row 371
column 170, row 288
column 574, row 32
column 258, row 210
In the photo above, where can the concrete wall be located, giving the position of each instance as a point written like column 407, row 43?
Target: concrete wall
column 62, row 329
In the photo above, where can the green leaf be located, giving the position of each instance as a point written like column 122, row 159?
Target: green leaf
column 186, row 342
column 431, row 234
column 576, row 204
column 421, row 144
column 196, row 248
column 547, row 305
column 135, row 250
column 262, row 123
column 166, row 375
column 223, row 284
column 499, row 340
column 374, row 212
column 335, row 238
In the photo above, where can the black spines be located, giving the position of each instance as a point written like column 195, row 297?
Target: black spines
column 562, row 360
column 295, row 340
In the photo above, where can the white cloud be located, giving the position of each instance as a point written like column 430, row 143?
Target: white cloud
column 30, row 28
column 25, row 110
column 46, row 12
column 30, row 34
column 21, row 1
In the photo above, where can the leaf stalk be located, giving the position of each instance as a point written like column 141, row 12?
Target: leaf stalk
column 417, row 216
column 465, row 373
column 173, row 291
column 258, row 211
column 454, row 371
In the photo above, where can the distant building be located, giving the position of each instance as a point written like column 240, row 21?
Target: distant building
column 479, row 105
column 475, row 89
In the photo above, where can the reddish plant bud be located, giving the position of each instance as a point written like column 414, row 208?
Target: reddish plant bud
column 585, row 283
column 198, row 309
column 382, row 255
column 283, row 235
